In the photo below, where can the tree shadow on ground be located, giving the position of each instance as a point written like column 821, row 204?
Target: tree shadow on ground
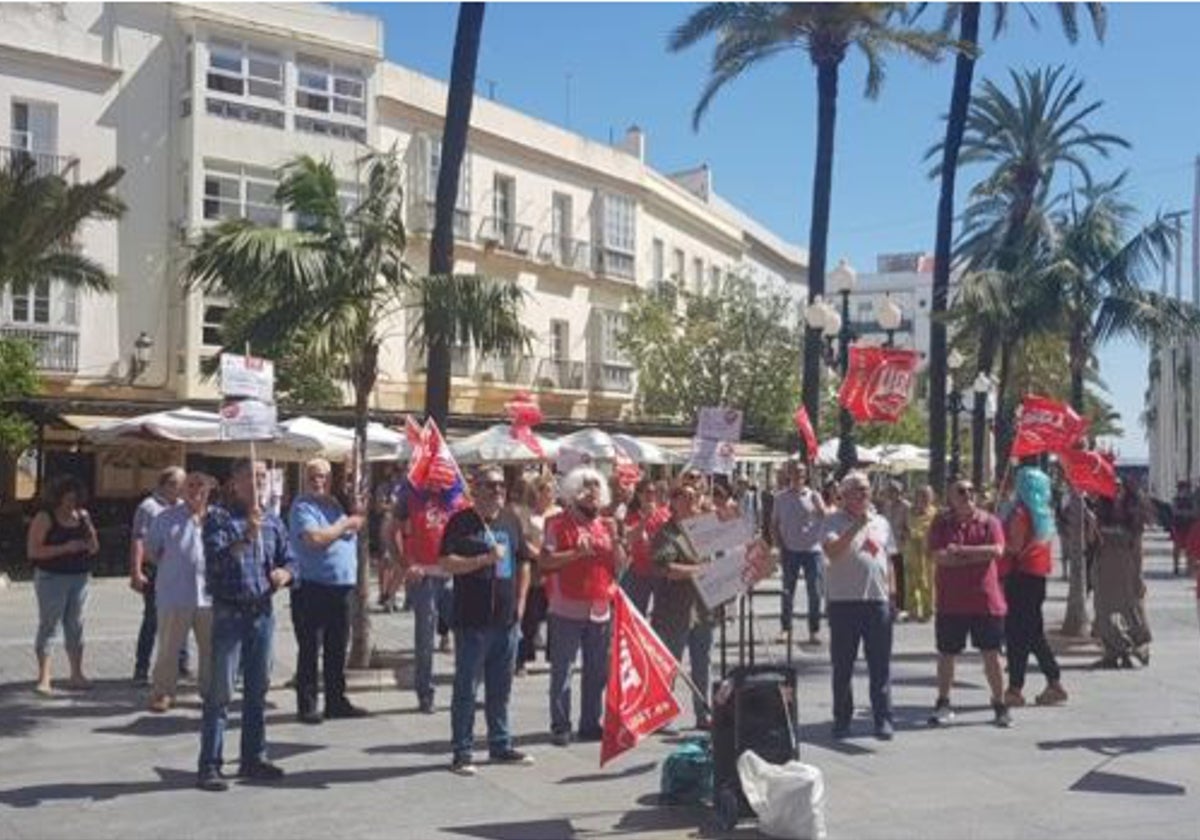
column 635, row 770
column 441, row 746
column 1098, row 780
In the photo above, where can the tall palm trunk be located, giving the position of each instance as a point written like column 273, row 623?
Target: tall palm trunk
column 818, row 234
column 1076, row 621
column 360, row 628
column 1002, row 422
column 956, row 123
column 454, row 147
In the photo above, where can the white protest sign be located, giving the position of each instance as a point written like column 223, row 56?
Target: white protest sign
column 713, row 456
column 724, row 424
column 735, row 560
column 248, row 420
column 247, row 376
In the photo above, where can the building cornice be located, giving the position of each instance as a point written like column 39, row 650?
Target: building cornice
column 208, row 14
column 62, row 63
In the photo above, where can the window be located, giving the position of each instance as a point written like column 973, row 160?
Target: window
column 70, row 304
column 657, row 259
column 618, row 237
column 698, row 274
column 714, row 279
column 244, row 113
column 434, row 167
column 34, row 127
column 240, row 70
column 241, row 192
column 503, row 201
column 330, row 88
column 612, row 327
column 678, row 273
column 559, row 346
column 214, row 317
column 561, row 225
column 31, row 306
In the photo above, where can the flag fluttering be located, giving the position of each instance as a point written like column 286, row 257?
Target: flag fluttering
column 1090, row 471
column 805, row 428
column 432, row 468
column 879, row 383
column 1046, row 425
column 638, row 700
column 523, row 414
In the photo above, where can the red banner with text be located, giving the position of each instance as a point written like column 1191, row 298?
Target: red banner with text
column 879, row 383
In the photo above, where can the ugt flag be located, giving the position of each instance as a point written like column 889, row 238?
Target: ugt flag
column 879, row 383
column 432, row 469
column 639, row 699
column 1046, row 425
column 1090, row 472
column 805, row 428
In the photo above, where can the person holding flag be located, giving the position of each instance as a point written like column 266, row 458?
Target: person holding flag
column 483, row 548
column 432, row 493
column 582, row 557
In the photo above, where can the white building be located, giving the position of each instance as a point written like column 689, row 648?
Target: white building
column 202, row 103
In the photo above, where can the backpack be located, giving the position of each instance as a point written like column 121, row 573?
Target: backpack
column 687, row 774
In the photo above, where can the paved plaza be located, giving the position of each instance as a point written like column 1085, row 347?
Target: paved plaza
column 1122, row 760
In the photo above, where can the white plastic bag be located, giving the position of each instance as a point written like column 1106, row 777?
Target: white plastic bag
column 788, row 798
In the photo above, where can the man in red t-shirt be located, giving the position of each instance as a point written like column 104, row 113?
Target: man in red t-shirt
column 966, row 544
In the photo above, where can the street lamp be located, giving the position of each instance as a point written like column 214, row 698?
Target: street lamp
column 143, row 345
column 955, row 405
column 841, row 281
column 982, row 389
column 890, row 317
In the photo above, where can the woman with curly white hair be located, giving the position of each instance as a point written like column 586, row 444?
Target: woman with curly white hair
column 582, row 557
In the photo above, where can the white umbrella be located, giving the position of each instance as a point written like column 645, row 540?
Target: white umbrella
column 497, row 445
column 644, row 452
column 337, row 442
column 903, row 457
column 180, row 425
column 597, row 444
column 827, row 454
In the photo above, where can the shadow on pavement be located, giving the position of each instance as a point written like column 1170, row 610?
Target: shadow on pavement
column 533, row 830
column 34, row 795
column 636, row 770
column 441, row 746
column 1122, row 745
column 324, row 779
column 1099, row 781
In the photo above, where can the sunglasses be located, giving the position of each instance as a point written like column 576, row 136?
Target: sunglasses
column 965, row 490
column 492, row 485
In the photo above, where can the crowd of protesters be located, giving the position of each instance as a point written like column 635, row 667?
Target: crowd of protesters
column 529, row 563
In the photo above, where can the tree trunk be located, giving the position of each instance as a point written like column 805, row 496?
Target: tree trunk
column 1076, row 621
column 454, row 147
column 956, row 122
column 1002, row 422
column 818, row 234
column 360, row 628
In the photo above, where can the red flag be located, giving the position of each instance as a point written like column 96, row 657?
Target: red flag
column 1090, row 472
column 639, row 699
column 879, row 383
column 523, row 414
column 805, row 428
column 412, row 432
column 625, row 470
column 1046, row 425
column 432, row 467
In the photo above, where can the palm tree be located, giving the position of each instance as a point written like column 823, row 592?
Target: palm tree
column 749, row 33
column 328, row 289
column 441, row 247
column 40, row 216
column 966, row 15
column 1024, row 138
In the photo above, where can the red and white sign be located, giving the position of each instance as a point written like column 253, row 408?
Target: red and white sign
column 879, row 383
column 432, row 467
column 1046, row 425
column 1090, row 472
column 248, row 420
column 639, row 700
column 247, row 376
column 723, row 424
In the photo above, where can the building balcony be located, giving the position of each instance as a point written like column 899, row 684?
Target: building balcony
column 508, row 370
column 44, row 163
column 565, row 252
column 55, row 351
column 615, row 264
column 561, row 374
column 505, row 234
column 421, row 218
column 615, row 377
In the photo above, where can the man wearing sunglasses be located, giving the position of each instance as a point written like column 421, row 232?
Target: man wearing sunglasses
column 966, row 542
column 483, row 549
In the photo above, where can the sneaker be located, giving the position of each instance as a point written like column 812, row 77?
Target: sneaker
column 260, row 771
column 141, row 679
column 211, row 781
column 884, row 730
column 345, row 710
column 514, row 758
column 521, row 671
column 814, row 639
column 1014, row 699
column 1001, row 717
column 1054, row 695
column 942, row 713
column 841, row 731
column 425, row 707
column 310, row 716
column 463, row 766
column 159, row 703
column 560, row 739
column 590, row 736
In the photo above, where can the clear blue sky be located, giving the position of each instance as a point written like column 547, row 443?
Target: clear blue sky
column 759, row 134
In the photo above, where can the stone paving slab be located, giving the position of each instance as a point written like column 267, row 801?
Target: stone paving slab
column 1121, row 760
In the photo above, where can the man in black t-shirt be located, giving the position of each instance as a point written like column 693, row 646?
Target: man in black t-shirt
column 483, row 548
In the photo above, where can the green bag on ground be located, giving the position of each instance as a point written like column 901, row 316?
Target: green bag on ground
column 687, row 774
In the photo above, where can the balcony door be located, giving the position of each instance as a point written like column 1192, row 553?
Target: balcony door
column 504, row 195
column 561, row 227
column 34, row 127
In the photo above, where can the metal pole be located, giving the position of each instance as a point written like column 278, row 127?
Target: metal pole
column 847, row 451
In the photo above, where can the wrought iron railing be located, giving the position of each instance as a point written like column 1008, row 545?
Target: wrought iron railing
column 54, row 350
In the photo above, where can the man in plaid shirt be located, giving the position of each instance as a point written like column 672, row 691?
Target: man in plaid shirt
column 247, row 560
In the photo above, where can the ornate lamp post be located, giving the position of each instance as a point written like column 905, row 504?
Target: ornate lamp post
column 890, row 317
column 982, row 388
column 841, row 281
column 955, row 405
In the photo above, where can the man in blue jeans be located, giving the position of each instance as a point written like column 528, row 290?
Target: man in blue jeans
column 860, row 586
column 483, row 549
column 142, row 569
column 797, row 523
column 247, row 560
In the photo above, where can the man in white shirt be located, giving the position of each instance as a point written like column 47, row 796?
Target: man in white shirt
column 859, row 588
column 796, row 525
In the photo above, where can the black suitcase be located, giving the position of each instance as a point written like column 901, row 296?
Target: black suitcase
column 753, row 708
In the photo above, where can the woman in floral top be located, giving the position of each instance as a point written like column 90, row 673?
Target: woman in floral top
column 918, row 567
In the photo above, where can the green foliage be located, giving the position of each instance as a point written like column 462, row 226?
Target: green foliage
column 18, row 378
column 40, row 215
column 736, row 347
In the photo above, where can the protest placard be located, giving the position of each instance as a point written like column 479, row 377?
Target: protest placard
column 247, row 377
column 734, row 559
